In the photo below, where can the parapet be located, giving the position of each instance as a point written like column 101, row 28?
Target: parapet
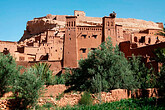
column 160, row 25
column 79, row 13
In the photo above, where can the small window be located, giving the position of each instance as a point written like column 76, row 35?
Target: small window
column 135, row 39
column 111, row 23
column 83, row 50
column 84, row 36
column 69, row 23
column 69, row 38
column 72, row 24
column 93, row 48
column 95, row 36
column 149, row 40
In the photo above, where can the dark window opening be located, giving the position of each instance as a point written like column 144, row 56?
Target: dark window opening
column 44, row 57
column 135, row 39
column 83, row 50
column 72, row 24
column 93, row 48
column 95, row 36
column 142, row 40
column 69, row 24
column 111, row 23
column 84, row 36
column 69, row 38
column 77, row 14
column 149, row 40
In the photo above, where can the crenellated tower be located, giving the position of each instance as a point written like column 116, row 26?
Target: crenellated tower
column 70, row 43
column 109, row 28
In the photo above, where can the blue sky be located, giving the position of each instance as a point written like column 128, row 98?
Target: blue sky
column 14, row 14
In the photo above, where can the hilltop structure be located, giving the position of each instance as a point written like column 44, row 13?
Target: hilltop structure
column 63, row 40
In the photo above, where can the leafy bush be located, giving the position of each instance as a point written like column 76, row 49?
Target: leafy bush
column 160, row 55
column 29, row 88
column 107, row 62
column 9, row 73
column 86, row 99
column 43, row 71
column 144, row 77
column 161, row 79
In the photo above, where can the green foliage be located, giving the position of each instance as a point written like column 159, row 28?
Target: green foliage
column 161, row 79
column 109, row 64
column 43, row 71
column 144, row 77
column 160, row 55
column 9, row 73
column 29, row 88
column 86, row 99
column 60, row 79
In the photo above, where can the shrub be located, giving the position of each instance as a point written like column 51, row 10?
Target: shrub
column 86, row 99
column 43, row 71
column 29, row 88
column 110, row 64
column 9, row 73
column 144, row 77
column 161, row 79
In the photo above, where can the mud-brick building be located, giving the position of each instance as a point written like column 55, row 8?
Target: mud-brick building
column 80, row 39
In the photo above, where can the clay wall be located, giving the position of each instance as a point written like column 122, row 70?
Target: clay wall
column 142, row 51
column 146, row 52
column 119, row 34
column 109, row 29
column 30, row 50
column 10, row 46
column 89, row 38
column 61, row 17
column 70, row 43
column 79, row 13
column 55, row 65
column 147, row 38
column 160, row 25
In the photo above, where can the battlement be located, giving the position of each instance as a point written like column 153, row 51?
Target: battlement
column 79, row 13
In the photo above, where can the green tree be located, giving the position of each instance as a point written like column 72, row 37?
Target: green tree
column 29, row 88
column 9, row 73
column 160, row 55
column 106, row 62
column 161, row 79
column 144, row 77
column 43, row 71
